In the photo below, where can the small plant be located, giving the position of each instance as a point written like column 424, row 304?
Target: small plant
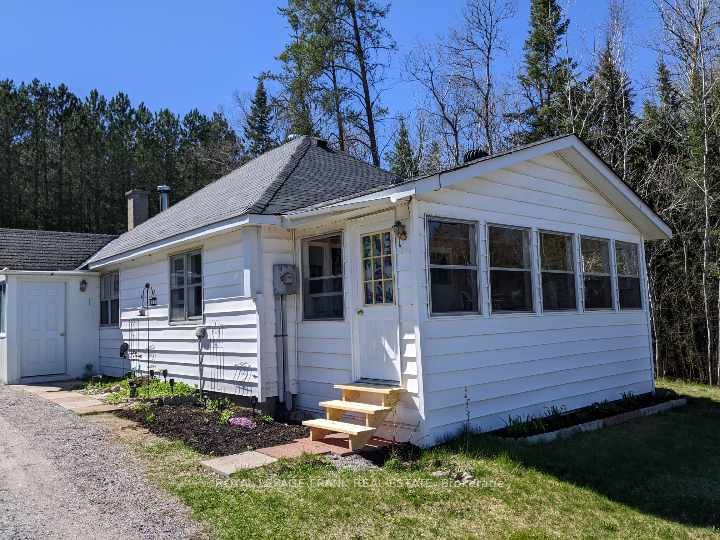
column 268, row 419
column 218, row 405
column 225, row 416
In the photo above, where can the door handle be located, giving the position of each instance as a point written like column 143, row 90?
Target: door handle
column 360, row 312
column 62, row 334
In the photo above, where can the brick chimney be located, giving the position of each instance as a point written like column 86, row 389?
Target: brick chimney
column 138, row 207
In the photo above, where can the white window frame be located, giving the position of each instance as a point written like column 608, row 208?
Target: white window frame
column 573, row 271
column 531, row 269
column 306, row 269
column 114, row 276
column 3, row 308
column 186, row 255
column 610, row 274
column 477, row 267
column 639, row 276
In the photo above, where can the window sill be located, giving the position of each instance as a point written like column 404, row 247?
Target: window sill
column 187, row 322
column 323, row 320
column 109, row 326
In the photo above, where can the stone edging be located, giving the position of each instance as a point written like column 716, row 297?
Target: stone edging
column 603, row 422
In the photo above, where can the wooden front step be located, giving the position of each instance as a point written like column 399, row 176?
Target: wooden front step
column 358, row 398
column 358, row 436
column 354, row 406
column 370, row 388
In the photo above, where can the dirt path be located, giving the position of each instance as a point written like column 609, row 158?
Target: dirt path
column 63, row 477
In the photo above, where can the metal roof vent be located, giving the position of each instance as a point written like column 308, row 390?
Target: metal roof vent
column 472, row 155
column 164, row 192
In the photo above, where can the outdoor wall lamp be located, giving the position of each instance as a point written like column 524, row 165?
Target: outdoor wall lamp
column 400, row 231
column 83, row 285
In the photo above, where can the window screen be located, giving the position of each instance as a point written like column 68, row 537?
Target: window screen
column 110, row 299
column 323, row 278
column 186, row 295
column 557, row 267
column 596, row 273
column 510, row 269
column 628, row 275
column 453, row 267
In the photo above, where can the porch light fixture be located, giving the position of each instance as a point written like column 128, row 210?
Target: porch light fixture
column 83, row 285
column 400, row 230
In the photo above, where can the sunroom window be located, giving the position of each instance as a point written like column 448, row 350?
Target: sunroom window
column 110, row 299
column 558, row 271
column 186, row 295
column 628, row 275
column 323, row 278
column 453, row 267
column 3, row 307
column 596, row 273
column 510, row 269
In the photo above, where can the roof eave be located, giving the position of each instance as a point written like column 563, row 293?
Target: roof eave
column 189, row 236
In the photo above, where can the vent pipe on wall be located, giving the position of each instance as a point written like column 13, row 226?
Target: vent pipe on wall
column 164, row 192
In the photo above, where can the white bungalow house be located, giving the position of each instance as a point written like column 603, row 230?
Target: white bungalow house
column 499, row 287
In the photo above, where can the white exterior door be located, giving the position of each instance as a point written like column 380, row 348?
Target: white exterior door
column 376, row 349
column 43, row 329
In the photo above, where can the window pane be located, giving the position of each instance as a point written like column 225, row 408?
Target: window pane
column 369, row 293
column 378, row 292
column 629, row 289
column 453, row 290
column 388, row 295
column 177, row 304
column 387, row 268
column 104, row 312
column 177, row 272
column 556, row 252
column 451, row 243
column 509, row 248
column 387, row 245
column 595, row 256
column 116, row 285
column 558, row 291
column 377, row 245
column 195, row 269
column 598, row 292
column 324, row 307
column 3, row 296
column 194, row 301
column 367, row 270
column 323, row 284
column 115, row 312
column 626, row 255
column 511, row 291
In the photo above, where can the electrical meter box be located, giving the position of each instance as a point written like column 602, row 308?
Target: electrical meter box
column 285, row 279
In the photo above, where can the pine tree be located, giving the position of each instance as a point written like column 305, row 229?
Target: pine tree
column 402, row 159
column 548, row 76
column 258, row 134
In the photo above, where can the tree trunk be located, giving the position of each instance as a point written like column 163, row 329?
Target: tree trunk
column 360, row 55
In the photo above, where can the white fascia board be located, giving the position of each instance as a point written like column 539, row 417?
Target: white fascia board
column 589, row 165
column 624, row 199
column 61, row 273
column 387, row 197
column 195, row 234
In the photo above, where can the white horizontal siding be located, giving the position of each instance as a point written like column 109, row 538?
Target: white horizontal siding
column 230, row 357
column 519, row 364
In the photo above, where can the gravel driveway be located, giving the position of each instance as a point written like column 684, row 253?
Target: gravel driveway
column 63, row 477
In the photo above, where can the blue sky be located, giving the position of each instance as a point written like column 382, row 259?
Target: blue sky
column 182, row 54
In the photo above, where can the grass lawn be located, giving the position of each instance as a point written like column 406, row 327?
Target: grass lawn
column 654, row 477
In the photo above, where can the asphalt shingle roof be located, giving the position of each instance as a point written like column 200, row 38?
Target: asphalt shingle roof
column 47, row 250
column 300, row 173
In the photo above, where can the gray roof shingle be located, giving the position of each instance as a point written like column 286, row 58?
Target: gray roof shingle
column 294, row 175
column 47, row 250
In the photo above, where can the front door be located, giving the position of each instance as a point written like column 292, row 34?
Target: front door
column 375, row 314
column 43, row 329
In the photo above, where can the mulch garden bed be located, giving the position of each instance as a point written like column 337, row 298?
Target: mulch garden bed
column 201, row 429
column 558, row 419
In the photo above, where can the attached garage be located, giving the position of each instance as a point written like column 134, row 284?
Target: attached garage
column 49, row 311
